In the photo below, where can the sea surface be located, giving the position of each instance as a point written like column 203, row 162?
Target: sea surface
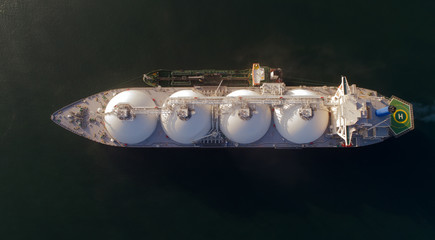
column 57, row 185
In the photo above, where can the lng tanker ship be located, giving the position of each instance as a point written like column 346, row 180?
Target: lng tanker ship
column 235, row 108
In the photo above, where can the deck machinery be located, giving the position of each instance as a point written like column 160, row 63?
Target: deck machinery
column 235, row 108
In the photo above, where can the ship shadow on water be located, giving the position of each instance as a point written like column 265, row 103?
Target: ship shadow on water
column 245, row 182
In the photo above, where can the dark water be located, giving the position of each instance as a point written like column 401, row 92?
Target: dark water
column 56, row 185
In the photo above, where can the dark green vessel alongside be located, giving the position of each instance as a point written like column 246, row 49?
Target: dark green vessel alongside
column 212, row 77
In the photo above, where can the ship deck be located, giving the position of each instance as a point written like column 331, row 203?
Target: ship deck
column 83, row 118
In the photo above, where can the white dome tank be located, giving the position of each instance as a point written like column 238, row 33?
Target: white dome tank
column 135, row 129
column 244, row 129
column 299, row 124
column 190, row 128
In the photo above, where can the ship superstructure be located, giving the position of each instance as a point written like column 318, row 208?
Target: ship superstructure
column 236, row 108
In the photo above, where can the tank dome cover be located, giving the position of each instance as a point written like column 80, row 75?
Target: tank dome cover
column 298, row 123
column 127, row 128
column 245, row 124
column 186, row 124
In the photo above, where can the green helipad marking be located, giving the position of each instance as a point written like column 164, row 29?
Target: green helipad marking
column 402, row 120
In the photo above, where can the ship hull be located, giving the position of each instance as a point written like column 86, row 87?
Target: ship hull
column 86, row 118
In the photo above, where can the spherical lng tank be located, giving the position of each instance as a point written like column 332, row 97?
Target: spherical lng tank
column 125, row 126
column 301, row 123
column 244, row 123
column 186, row 123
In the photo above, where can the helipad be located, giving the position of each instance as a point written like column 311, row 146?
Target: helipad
column 402, row 120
